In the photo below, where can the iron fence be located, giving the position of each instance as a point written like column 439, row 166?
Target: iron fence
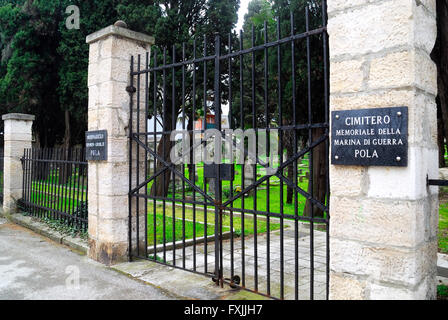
column 55, row 185
column 2, row 154
column 266, row 233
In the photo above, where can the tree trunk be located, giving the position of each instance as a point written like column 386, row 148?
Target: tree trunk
column 289, row 190
column 161, row 184
column 65, row 170
column 67, row 129
column 37, row 144
column 288, row 144
column 318, row 175
column 40, row 170
column 190, row 166
column 440, row 57
column 440, row 140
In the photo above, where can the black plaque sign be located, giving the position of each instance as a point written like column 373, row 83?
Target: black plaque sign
column 96, row 145
column 227, row 171
column 370, row 137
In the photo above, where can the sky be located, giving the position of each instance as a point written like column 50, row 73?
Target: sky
column 241, row 12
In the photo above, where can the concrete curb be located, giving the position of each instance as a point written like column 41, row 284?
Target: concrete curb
column 41, row 228
column 188, row 243
column 182, row 284
column 442, row 265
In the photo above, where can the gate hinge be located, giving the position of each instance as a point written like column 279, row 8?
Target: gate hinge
column 131, row 89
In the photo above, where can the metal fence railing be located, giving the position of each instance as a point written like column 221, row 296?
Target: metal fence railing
column 2, row 154
column 55, row 185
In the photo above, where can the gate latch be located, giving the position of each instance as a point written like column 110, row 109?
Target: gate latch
column 436, row 182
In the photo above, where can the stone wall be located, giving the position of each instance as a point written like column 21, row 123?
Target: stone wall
column 17, row 138
column 384, row 219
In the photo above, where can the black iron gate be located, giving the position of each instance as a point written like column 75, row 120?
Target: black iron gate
column 240, row 224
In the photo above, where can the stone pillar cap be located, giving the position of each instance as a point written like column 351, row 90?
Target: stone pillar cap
column 121, row 23
column 121, row 32
column 18, row 116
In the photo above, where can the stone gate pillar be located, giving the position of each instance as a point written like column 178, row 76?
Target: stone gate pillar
column 109, row 74
column 384, row 218
column 17, row 138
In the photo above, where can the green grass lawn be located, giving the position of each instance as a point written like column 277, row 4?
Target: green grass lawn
column 199, row 216
column 262, row 204
column 443, row 222
column 277, row 191
column 62, row 197
column 57, row 198
column 166, row 223
column 442, row 292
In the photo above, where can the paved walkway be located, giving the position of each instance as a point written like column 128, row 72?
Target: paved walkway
column 32, row 267
column 319, row 258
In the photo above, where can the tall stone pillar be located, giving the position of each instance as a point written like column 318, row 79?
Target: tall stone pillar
column 384, row 219
column 109, row 109
column 18, row 137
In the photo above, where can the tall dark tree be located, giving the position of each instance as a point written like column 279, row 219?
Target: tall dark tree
column 73, row 53
column 440, row 57
column 174, row 23
column 280, row 82
column 30, row 78
column 44, row 64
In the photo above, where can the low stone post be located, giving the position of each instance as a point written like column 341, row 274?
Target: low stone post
column 17, row 137
column 109, row 74
column 383, row 242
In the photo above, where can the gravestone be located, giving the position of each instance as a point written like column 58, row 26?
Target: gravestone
column 249, row 169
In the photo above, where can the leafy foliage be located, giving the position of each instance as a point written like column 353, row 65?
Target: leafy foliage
column 280, row 80
column 178, row 26
column 442, row 292
column 44, row 64
column 81, row 212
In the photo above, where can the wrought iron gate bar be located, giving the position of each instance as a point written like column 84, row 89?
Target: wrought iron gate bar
column 232, row 246
column 269, row 261
column 296, row 201
column 230, row 209
column 314, row 32
column 327, row 144
column 281, row 167
column 137, row 160
column 311, row 162
column 167, row 167
column 60, row 161
column 301, row 191
column 286, row 127
column 432, row 182
column 172, row 168
column 146, row 151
